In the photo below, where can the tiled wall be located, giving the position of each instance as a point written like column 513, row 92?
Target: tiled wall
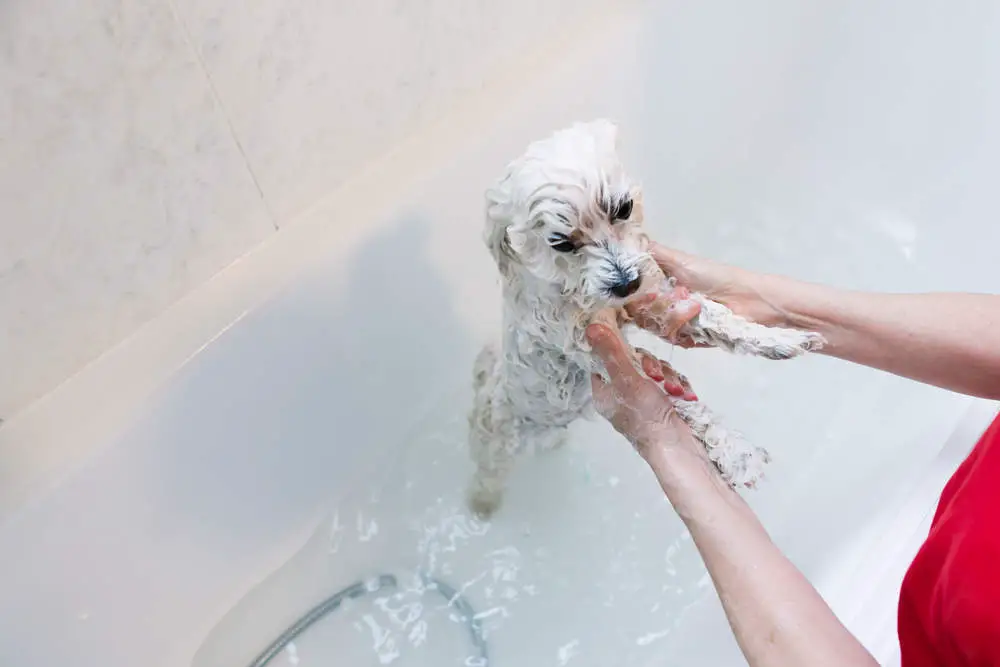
column 146, row 144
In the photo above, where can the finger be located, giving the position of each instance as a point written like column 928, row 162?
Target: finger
column 679, row 314
column 685, row 341
column 663, row 316
column 603, row 395
column 609, row 346
column 651, row 366
column 674, row 389
column 678, row 293
column 642, row 301
column 688, row 393
column 676, row 384
column 671, row 380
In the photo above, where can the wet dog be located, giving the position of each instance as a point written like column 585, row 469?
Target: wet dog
column 564, row 226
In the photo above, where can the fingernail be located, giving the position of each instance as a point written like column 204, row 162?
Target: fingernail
column 690, row 396
column 656, row 376
column 673, row 389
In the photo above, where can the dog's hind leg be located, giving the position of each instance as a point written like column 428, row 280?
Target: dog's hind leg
column 538, row 439
column 492, row 442
column 490, row 479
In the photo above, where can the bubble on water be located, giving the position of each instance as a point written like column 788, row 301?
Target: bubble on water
column 367, row 530
column 489, row 613
column 567, row 651
column 336, row 533
column 418, row 634
column 383, row 642
column 651, row 637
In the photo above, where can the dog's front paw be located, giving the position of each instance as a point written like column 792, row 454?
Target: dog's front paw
column 780, row 344
column 718, row 326
column 740, row 462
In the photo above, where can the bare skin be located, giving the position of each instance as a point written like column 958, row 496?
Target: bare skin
column 778, row 618
column 948, row 340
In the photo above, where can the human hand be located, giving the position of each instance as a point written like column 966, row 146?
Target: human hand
column 733, row 287
column 637, row 405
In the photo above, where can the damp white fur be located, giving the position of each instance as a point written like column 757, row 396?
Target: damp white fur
column 564, row 226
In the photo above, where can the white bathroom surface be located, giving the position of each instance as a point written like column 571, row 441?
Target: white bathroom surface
column 298, row 424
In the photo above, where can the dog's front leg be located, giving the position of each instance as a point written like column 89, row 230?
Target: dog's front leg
column 740, row 462
column 718, row 326
column 492, row 437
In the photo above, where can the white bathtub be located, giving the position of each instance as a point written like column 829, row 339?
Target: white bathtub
column 297, row 424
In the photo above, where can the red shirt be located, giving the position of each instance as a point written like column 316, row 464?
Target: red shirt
column 949, row 605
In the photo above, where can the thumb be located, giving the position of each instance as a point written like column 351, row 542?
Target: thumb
column 679, row 315
column 609, row 346
column 604, row 396
column 664, row 317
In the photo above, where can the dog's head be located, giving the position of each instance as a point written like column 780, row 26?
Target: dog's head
column 567, row 218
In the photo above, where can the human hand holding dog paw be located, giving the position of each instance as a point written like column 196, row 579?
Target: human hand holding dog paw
column 636, row 404
column 741, row 291
column 665, row 313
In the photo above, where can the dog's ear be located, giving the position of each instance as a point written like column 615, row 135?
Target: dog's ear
column 498, row 241
column 497, row 232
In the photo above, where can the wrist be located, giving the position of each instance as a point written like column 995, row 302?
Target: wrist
column 690, row 481
column 676, row 461
column 789, row 303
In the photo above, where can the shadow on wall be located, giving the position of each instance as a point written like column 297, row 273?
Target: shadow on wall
column 313, row 388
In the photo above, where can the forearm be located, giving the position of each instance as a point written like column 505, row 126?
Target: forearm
column 948, row 340
column 778, row 618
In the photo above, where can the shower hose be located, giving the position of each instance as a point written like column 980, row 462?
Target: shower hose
column 359, row 589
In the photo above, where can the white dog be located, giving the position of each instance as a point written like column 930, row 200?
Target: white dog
column 564, row 226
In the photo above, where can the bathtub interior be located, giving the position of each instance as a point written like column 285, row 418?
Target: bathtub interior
column 320, row 439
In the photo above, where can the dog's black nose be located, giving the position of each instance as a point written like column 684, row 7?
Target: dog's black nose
column 626, row 288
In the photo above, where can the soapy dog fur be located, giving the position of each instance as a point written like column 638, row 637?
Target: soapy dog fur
column 564, row 226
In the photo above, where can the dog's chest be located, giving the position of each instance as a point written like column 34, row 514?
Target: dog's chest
column 547, row 373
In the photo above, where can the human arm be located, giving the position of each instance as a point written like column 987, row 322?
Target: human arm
column 951, row 340
column 778, row 618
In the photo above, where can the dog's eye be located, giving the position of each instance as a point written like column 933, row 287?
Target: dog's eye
column 622, row 211
column 561, row 243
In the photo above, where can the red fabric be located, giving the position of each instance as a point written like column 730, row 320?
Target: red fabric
column 949, row 606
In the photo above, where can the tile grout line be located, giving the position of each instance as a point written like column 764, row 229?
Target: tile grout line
column 179, row 18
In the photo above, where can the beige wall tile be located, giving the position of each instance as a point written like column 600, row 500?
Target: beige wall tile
column 315, row 89
column 121, row 182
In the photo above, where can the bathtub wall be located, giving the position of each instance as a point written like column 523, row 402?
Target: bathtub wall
column 145, row 145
